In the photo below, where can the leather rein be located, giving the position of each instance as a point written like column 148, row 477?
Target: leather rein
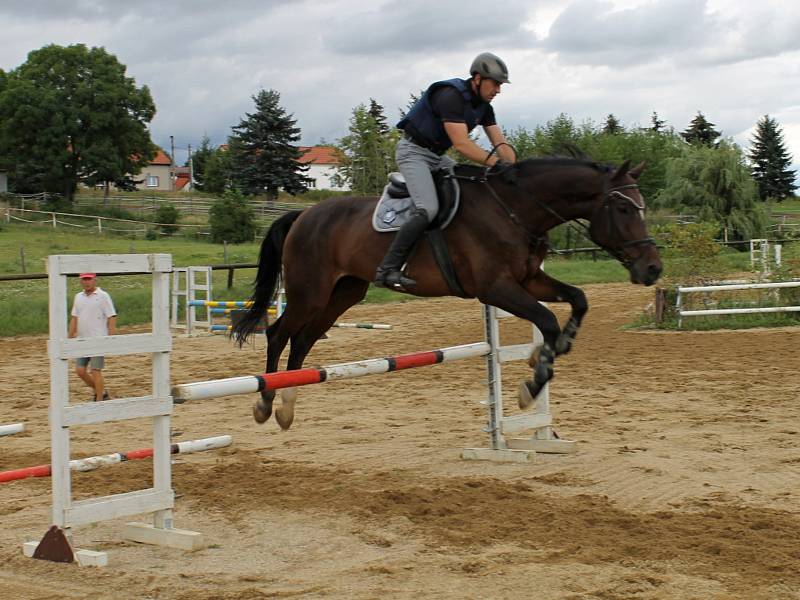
column 536, row 239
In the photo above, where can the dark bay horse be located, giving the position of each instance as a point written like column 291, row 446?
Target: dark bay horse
column 329, row 253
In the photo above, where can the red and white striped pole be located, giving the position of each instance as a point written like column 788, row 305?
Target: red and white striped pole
column 95, row 462
column 217, row 388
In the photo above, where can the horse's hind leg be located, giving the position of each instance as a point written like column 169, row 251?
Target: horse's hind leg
column 547, row 289
column 347, row 292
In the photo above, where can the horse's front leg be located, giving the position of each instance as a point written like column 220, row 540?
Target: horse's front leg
column 516, row 299
column 547, row 289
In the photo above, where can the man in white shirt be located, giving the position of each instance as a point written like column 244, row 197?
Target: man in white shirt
column 93, row 315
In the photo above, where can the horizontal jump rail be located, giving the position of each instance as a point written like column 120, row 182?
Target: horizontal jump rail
column 739, row 311
column 95, row 462
column 218, row 388
column 228, row 311
column 362, row 325
column 222, row 303
column 12, row 429
column 740, row 286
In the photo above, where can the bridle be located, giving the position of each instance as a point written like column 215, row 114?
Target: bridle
column 614, row 192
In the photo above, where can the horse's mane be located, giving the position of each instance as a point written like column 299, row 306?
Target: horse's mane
column 572, row 157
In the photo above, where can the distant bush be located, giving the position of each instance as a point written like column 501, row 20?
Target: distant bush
column 231, row 219
column 167, row 215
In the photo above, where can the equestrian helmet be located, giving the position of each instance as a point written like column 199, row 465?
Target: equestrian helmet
column 490, row 65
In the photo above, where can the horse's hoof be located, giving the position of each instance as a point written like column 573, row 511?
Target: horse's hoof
column 284, row 414
column 533, row 359
column 261, row 411
column 527, row 394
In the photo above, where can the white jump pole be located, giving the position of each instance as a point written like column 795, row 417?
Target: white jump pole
column 12, row 429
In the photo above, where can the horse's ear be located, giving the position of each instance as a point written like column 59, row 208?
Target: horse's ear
column 637, row 170
column 622, row 170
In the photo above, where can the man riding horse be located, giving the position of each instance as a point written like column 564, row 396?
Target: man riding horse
column 442, row 118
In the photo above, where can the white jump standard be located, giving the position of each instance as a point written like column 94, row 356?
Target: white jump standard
column 158, row 500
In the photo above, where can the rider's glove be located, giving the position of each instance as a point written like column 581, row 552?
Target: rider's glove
column 505, row 170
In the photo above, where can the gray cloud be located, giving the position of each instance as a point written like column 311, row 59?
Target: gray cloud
column 420, row 26
column 594, row 32
column 203, row 61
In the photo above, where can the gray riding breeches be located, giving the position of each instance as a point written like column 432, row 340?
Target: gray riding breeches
column 416, row 164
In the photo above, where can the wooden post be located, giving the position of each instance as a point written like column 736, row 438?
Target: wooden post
column 661, row 300
column 230, row 278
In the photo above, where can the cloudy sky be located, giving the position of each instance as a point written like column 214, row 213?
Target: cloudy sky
column 203, row 60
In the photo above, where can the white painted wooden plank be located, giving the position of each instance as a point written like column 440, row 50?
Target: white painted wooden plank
column 119, row 505
column 112, row 345
column 744, row 286
column 119, row 409
column 59, row 395
column 738, row 311
column 70, row 264
column 169, row 537
column 552, row 446
column 515, row 352
column 501, row 455
column 517, row 423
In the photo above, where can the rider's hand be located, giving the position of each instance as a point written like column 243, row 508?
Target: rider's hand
column 505, row 170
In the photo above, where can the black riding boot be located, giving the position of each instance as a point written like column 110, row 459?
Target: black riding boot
column 389, row 273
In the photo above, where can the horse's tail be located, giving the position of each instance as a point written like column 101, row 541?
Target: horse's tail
column 269, row 270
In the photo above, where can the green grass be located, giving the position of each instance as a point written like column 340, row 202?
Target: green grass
column 25, row 302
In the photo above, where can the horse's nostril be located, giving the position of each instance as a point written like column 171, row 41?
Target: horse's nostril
column 654, row 270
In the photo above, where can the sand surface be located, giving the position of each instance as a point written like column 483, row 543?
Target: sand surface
column 685, row 484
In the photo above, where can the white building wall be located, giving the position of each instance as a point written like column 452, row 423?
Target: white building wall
column 321, row 174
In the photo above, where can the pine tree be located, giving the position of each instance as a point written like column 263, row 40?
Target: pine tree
column 771, row 161
column 376, row 112
column 612, row 126
column 701, row 131
column 657, row 124
column 199, row 161
column 263, row 151
column 412, row 100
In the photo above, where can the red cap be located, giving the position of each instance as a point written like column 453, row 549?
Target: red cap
column 88, row 275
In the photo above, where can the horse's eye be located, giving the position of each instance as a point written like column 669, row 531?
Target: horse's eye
column 624, row 208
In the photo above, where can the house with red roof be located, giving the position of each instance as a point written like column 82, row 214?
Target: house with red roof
column 156, row 175
column 322, row 162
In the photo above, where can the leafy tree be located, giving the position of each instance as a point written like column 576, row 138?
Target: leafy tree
column 656, row 124
column 70, row 114
column 771, row 161
column 217, row 171
column 701, row 131
column 715, row 184
column 231, row 219
column 636, row 145
column 263, row 151
column 612, row 126
column 366, row 154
